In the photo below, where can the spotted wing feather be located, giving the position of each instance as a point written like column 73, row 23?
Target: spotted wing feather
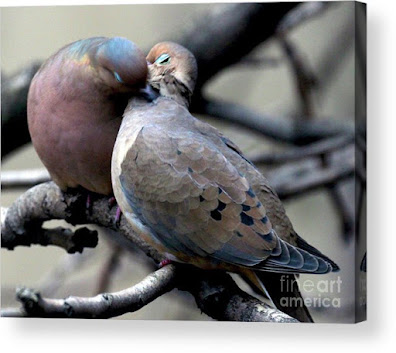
column 197, row 202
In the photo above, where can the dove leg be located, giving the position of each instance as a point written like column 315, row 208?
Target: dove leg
column 164, row 263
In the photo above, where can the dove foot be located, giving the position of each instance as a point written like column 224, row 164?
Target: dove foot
column 117, row 217
column 88, row 204
column 164, row 263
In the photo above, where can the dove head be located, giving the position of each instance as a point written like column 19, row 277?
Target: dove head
column 117, row 64
column 172, row 71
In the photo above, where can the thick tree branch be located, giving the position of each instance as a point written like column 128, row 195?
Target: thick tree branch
column 46, row 201
column 225, row 301
column 231, row 31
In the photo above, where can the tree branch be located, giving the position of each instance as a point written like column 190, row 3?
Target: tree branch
column 23, row 178
column 46, row 201
column 14, row 91
column 299, row 15
column 297, row 153
column 64, row 238
column 278, row 129
column 295, row 181
column 231, row 32
column 102, row 306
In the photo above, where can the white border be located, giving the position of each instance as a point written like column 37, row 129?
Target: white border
column 166, row 336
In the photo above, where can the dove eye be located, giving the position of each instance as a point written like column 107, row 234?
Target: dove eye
column 118, row 77
column 163, row 59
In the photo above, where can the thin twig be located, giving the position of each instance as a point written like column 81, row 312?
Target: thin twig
column 58, row 275
column 108, row 269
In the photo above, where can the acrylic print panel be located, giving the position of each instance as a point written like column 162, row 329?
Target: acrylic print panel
column 283, row 84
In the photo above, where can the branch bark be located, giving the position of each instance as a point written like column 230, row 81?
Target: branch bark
column 64, row 238
column 102, row 306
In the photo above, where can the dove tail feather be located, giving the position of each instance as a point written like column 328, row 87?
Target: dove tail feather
column 302, row 244
column 303, row 258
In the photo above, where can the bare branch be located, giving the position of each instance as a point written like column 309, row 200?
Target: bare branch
column 305, row 80
column 13, row 312
column 301, row 14
column 104, row 305
column 231, row 31
column 23, row 178
column 34, row 234
column 297, row 153
column 14, row 91
column 109, row 268
column 268, row 62
column 46, row 201
column 342, row 195
column 297, row 181
column 225, row 301
column 276, row 128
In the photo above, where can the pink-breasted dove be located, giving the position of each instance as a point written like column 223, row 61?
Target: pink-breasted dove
column 75, row 105
column 189, row 191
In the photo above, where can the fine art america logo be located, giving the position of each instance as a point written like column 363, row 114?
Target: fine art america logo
column 326, row 292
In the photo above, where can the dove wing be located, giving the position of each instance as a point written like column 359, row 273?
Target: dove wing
column 196, row 201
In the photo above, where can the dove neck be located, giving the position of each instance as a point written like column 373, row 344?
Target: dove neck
column 173, row 89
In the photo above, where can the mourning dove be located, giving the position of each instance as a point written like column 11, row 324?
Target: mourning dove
column 190, row 193
column 75, row 106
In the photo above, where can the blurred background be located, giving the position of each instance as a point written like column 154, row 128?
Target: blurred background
column 326, row 43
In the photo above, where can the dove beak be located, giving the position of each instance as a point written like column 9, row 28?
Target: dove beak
column 149, row 93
